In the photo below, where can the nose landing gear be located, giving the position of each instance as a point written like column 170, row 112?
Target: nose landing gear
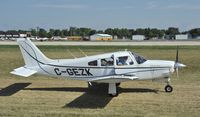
column 168, row 88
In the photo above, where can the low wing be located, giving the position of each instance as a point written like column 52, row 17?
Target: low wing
column 113, row 79
column 22, row 71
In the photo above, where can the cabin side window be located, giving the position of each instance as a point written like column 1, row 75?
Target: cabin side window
column 124, row 60
column 107, row 62
column 93, row 63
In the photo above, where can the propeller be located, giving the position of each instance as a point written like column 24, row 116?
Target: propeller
column 177, row 64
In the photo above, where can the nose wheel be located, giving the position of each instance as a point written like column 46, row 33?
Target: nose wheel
column 168, row 88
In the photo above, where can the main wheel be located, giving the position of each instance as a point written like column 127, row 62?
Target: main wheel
column 113, row 95
column 117, row 84
column 168, row 89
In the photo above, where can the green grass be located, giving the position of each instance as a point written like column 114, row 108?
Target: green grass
column 59, row 97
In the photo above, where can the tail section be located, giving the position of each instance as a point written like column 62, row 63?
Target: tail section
column 31, row 54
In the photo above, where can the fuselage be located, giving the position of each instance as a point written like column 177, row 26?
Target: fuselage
column 112, row 68
column 117, row 63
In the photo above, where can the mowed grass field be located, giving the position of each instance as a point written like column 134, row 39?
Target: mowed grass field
column 46, row 96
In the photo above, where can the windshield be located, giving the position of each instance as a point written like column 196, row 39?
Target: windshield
column 139, row 59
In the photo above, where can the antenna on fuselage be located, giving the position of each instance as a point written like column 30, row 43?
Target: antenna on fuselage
column 71, row 53
column 82, row 52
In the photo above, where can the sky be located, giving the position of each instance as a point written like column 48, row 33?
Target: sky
column 99, row 14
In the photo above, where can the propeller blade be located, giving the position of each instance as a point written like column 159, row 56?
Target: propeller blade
column 177, row 75
column 177, row 54
column 177, row 65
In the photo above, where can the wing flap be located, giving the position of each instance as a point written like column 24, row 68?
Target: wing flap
column 113, row 79
column 22, row 71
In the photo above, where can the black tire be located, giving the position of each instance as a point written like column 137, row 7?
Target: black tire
column 117, row 84
column 168, row 89
column 113, row 95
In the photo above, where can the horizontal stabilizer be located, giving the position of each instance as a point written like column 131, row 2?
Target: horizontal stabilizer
column 22, row 71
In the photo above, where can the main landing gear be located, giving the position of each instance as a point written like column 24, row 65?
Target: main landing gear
column 112, row 89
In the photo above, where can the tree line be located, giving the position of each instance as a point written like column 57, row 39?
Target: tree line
column 118, row 32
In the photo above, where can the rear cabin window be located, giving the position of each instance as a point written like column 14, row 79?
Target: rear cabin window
column 107, row 62
column 93, row 63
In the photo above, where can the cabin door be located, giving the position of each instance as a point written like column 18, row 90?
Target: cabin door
column 124, row 65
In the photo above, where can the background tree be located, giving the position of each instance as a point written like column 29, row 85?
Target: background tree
column 119, row 32
column 139, row 31
column 42, row 33
column 109, row 31
column 57, row 32
column 125, row 33
column 84, row 31
column 22, row 31
column 172, row 31
column 50, row 34
column 65, row 32
column 33, row 32
column 195, row 32
column 72, row 31
column 92, row 32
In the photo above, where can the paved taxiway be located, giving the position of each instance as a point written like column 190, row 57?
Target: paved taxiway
column 114, row 43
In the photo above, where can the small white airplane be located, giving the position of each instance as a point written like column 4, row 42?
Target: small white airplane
column 112, row 68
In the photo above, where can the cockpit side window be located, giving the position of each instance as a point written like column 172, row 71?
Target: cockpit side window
column 93, row 63
column 107, row 62
column 124, row 60
column 139, row 59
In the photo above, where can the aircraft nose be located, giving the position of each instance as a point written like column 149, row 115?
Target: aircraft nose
column 182, row 65
column 179, row 65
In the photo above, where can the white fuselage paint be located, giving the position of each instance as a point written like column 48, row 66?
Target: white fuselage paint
column 80, row 70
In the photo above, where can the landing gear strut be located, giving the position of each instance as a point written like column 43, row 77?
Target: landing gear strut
column 112, row 90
